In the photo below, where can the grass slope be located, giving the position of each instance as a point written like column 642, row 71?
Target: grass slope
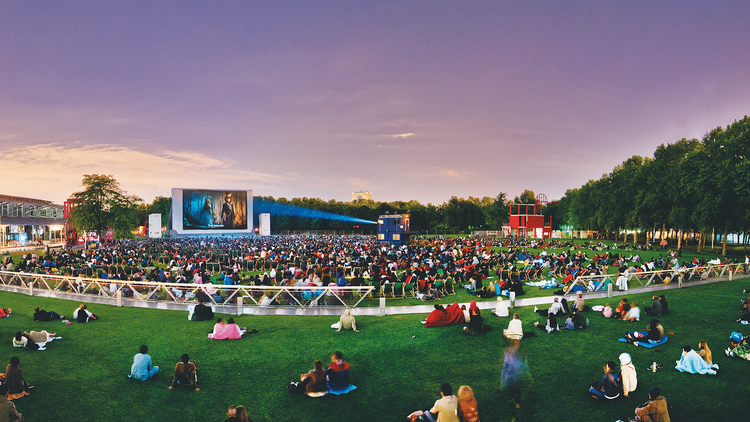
column 83, row 377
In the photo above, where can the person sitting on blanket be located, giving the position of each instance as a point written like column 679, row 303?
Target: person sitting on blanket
column 515, row 328
column 740, row 347
column 42, row 315
column 654, row 334
column 628, row 376
column 633, row 314
column 185, row 373
column 229, row 331
column 347, row 322
column 17, row 385
column 338, row 375
column 313, row 383
column 609, row 387
column 691, row 362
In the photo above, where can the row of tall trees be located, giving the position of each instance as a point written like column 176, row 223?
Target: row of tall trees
column 693, row 185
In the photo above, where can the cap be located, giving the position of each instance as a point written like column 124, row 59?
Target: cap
column 625, row 359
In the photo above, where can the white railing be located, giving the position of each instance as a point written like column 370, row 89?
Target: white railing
column 123, row 291
column 676, row 275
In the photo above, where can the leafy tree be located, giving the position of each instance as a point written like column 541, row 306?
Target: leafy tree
column 103, row 204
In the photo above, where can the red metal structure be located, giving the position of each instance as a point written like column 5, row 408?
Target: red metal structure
column 70, row 233
column 527, row 220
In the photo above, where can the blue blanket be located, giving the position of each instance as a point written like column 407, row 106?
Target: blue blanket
column 693, row 363
column 339, row 391
column 646, row 343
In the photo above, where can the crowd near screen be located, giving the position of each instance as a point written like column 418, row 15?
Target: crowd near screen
column 212, row 211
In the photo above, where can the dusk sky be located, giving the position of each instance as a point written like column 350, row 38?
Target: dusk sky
column 408, row 99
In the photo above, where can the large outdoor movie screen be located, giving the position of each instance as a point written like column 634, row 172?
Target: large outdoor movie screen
column 211, row 211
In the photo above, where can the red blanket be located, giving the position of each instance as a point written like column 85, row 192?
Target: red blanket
column 452, row 315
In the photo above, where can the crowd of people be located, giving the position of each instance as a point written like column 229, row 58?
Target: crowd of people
column 324, row 261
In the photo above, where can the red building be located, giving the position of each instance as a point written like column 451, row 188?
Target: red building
column 528, row 220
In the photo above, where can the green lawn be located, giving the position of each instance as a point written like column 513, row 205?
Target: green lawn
column 83, row 377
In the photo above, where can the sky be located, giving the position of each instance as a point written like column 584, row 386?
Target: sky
column 409, row 100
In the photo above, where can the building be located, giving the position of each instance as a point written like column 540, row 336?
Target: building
column 28, row 221
column 528, row 220
column 356, row 196
column 394, row 229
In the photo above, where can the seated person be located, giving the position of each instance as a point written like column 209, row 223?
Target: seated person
column 622, row 308
column 441, row 317
column 740, row 347
column 691, row 362
column 229, row 331
column 655, row 308
column 580, row 304
column 654, row 334
column 633, row 314
column 185, row 373
column 444, row 410
column 556, row 309
column 501, row 309
column 551, row 324
column 705, row 352
column 628, row 376
column 201, row 312
column 265, row 300
column 607, row 311
column 14, row 379
column 575, row 322
column 21, row 340
column 515, row 328
column 347, row 322
column 142, row 369
column 664, row 305
column 82, row 314
column 42, row 315
column 7, row 407
column 655, row 409
column 609, row 387
column 314, row 383
column 476, row 323
column 338, row 375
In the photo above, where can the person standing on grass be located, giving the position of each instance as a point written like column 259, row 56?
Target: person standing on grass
column 513, row 373
column 142, row 369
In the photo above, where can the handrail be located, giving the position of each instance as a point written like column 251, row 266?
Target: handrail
column 119, row 291
column 666, row 276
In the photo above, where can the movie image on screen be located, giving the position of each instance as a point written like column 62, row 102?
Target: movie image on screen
column 214, row 210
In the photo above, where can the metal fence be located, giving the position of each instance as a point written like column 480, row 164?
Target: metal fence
column 677, row 275
column 138, row 293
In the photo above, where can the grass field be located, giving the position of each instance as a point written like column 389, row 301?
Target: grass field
column 83, row 377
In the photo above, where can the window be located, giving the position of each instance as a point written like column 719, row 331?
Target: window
column 381, row 236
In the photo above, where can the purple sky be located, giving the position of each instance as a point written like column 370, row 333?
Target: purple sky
column 408, row 99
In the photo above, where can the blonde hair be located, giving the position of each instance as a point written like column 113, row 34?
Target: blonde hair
column 465, row 393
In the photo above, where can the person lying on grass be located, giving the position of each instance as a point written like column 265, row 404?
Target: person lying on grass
column 42, row 315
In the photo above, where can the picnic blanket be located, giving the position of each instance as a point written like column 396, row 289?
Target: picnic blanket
column 645, row 343
column 340, row 390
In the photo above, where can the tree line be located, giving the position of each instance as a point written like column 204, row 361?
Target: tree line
column 698, row 186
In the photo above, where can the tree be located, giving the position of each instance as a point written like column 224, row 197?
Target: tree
column 103, row 205
column 497, row 212
column 527, row 197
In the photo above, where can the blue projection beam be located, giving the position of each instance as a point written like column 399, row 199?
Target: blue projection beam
column 261, row 207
